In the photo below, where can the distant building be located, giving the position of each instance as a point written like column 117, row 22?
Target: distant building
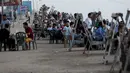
column 26, row 5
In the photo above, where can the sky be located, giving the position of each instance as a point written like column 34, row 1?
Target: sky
column 107, row 7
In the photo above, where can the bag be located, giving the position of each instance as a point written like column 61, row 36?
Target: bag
column 27, row 40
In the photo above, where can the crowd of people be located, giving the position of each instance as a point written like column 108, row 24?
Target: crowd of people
column 72, row 30
column 72, row 27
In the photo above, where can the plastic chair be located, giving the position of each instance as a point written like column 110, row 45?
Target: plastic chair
column 34, row 44
column 20, row 40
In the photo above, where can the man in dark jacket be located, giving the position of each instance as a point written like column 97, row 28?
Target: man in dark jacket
column 4, row 36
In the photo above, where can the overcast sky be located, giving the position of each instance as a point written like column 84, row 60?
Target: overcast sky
column 84, row 6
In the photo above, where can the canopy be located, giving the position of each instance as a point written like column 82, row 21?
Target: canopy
column 10, row 2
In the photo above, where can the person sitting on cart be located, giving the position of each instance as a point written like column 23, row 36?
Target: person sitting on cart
column 54, row 27
column 99, row 33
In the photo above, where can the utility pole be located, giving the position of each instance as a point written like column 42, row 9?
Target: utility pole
column 33, row 9
column 2, row 6
column 2, row 12
column 12, row 15
column 33, row 6
column 20, row 11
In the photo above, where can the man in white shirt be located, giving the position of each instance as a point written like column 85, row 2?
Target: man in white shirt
column 88, row 22
column 28, row 16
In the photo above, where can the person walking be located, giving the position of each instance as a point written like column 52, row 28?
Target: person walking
column 66, row 32
column 71, row 36
column 28, row 16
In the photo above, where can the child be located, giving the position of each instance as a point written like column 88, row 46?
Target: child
column 29, row 33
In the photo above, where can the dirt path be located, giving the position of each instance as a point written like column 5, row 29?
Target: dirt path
column 51, row 58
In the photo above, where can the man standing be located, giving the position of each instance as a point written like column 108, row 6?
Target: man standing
column 4, row 36
column 5, row 21
column 88, row 22
column 88, row 26
column 66, row 32
column 71, row 36
column 15, row 16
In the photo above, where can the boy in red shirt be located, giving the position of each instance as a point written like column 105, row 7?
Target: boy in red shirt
column 29, row 33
